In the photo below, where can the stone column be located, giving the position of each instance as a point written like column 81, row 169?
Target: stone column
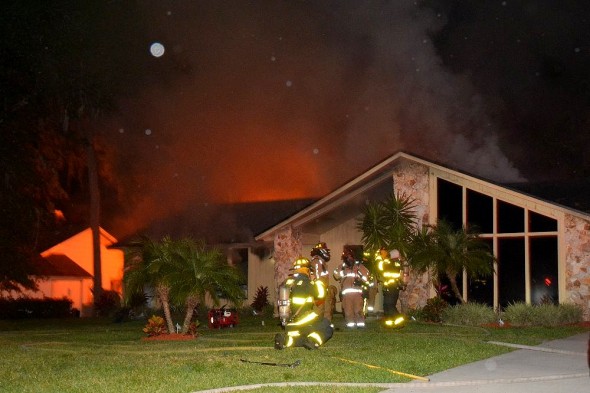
column 412, row 180
column 287, row 248
column 577, row 255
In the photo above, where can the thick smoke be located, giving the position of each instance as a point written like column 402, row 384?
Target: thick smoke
column 255, row 102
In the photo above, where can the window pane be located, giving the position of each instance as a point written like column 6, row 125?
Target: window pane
column 481, row 289
column 510, row 218
column 480, row 211
column 541, row 223
column 543, row 256
column 450, row 203
column 511, row 276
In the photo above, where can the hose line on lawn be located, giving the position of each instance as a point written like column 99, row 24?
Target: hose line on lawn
column 383, row 368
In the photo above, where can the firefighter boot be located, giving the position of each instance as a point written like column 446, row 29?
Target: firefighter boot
column 310, row 344
column 279, row 341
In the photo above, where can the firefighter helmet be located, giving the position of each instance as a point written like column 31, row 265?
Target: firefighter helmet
column 394, row 254
column 348, row 256
column 302, row 266
column 321, row 250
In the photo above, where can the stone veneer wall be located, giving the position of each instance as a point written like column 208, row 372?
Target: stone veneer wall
column 577, row 262
column 287, row 248
column 411, row 179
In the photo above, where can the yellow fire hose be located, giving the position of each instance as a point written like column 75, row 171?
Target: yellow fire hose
column 382, row 368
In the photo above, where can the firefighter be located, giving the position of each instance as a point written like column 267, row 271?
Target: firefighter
column 390, row 269
column 304, row 327
column 369, row 294
column 370, row 289
column 320, row 255
column 352, row 275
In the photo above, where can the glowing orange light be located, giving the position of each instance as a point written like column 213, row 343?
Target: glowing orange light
column 59, row 215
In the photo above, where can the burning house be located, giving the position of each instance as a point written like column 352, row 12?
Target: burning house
column 542, row 247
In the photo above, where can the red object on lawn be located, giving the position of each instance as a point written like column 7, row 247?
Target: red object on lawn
column 222, row 317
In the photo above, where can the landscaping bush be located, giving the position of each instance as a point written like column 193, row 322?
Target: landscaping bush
column 155, row 326
column 433, row 310
column 35, row 308
column 522, row 314
column 260, row 299
column 471, row 314
column 570, row 313
column 108, row 304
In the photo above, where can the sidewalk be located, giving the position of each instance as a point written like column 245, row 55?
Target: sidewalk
column 558, row 366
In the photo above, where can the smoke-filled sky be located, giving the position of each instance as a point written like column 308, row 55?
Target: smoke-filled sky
column 257, row 101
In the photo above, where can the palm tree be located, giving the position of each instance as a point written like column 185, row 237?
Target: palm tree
column 144, row 265
column 388, row 223
column 197, row 271
column 448, row 252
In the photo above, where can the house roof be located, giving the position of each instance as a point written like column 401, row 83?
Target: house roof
column 106, row 239
column 59, row 265
column 347, row 201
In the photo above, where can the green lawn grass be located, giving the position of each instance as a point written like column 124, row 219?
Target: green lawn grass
column 82, row 355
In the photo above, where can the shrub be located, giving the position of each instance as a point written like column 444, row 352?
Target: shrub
column 155, row 326
column 135, row 307
column 137, row 302
column 107, row 304
column 570, row 313
column 260, row 299
column 432, row 311
column 522, row 314
column 192, row 329
column 471, row 314
column 35, row 308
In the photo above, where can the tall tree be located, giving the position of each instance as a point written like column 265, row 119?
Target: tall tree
column 145, row 263
column 64, row 64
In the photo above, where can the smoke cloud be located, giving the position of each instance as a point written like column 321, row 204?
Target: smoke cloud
column 254, row 102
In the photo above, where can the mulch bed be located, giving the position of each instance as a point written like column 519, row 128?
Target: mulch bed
column 496, row 325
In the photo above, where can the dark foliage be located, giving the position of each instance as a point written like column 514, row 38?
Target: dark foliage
column 260, row 299
column 433, row 310
column 107, row 304
column 22, row 308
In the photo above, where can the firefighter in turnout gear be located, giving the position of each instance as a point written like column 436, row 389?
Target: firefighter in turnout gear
column 352, row 275
column 369, row 293
column 391, row 270
column 320, row 255
column 370, row 289
column 298, row 295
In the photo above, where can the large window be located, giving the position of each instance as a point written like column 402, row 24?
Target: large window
column 510, row 218
column 511, row 271
column 450, row 205
column 525, row 243
column 481, row 289
column 544, row 270
column 480, row 212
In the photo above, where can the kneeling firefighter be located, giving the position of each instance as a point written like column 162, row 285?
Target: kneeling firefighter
column 304, row 327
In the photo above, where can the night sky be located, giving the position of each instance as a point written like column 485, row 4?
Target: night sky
column 269, row 101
